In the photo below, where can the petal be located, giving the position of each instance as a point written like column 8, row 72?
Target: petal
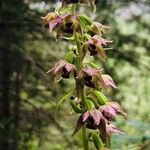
column 101, row 52
column 99, row 28
column 96, row 115
column 108, row 112
column 56, row 71
column 118, row 109
column 104, row 42
column 103, row 133
column 49, row 17
column 108, row 81
column 69, row 67
column 91, row 72
column 57, row 77
column 85, row 116
column 78, row 126
column 54, row 23
column 111, row 129
column 57, row 67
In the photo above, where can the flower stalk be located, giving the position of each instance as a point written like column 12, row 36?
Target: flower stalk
column 95, row 111
column 81, row 89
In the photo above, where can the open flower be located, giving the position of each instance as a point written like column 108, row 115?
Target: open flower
column 62, row 69
column 49, row 18
column 67, row 23
column 91, row 77
column 98, row 28
column 111, row 110
column 53, row 20
column 108, row 81
column 91, row 119
column 95, row 46
column 71, row 24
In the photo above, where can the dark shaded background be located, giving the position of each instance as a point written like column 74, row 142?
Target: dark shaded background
column 28, row 116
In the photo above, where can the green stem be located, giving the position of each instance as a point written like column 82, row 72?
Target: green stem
column 73, row 8
column 85, row 140
column 81, row 89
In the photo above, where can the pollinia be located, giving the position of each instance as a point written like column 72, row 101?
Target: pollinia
column 95, row 111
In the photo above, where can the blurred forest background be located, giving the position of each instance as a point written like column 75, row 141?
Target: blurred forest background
column 29, row 119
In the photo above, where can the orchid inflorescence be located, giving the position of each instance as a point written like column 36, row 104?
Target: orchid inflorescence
column 96, row 111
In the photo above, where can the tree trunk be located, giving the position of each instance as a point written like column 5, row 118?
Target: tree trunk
column 5, row 99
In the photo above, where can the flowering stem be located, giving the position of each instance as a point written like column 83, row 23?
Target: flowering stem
column 81, row 89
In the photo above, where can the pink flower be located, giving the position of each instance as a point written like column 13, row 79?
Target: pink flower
column 92, row 119
column 49, row 17
column 62, row 69
column 111, row 110
column 95, row 46
column 98, row 28
column 91, row 77
column 66, row 23
column 98, row 39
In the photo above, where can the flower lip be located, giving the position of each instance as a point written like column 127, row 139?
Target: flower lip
column 92, row 49
column 91, row 124
column 68, row 27
column 66, row 73
column 88, row 78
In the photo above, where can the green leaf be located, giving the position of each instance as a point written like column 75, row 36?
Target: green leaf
column 75, row 107
column 65, row 97
column 101, row 99
column 97, row 141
